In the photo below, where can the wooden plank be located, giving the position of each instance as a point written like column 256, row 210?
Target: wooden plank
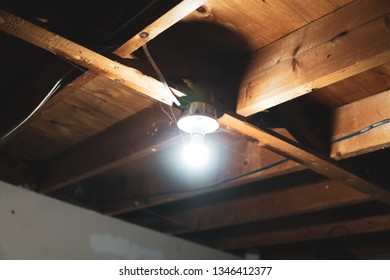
column 71, row 88
column 68, row 90
column 310, row 159
column 85, row 108
column 133, row 138
column 87, row 112
column 357, row 116
column 90, row 78
column 158, row 189
column 313, row 232
column 254, row 204
column 189, row 67
column 346, row 42
column 60, row 46
column 161, row 24
column 354, row 88
column 256, row 24
column 174, row 15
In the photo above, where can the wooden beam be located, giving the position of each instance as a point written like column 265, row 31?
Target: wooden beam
column 161, row 24
column 357, row 116
column 159, row 188
column 60, row 46
column 310, row 159
column 346, row 42
column 174, row 15
column 69, row 89
column 135, row 137
column 263, row 201
column 313, row 232
column 193, row 67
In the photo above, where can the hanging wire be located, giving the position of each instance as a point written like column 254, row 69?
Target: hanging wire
column 82, row 69
column 171, row 93
column 53, row 90
column 160, row 75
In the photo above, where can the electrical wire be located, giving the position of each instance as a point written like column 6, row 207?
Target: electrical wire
column 132, row 19
column 82, row 69
column 53, row 90
column 160, row 75
column 361, row 131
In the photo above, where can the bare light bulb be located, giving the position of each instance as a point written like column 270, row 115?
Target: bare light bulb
column 198, row 119
column 195, row 153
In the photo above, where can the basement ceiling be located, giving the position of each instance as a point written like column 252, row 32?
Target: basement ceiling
column 300, row 167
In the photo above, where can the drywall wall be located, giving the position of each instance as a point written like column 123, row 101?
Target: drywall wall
column 34, row 226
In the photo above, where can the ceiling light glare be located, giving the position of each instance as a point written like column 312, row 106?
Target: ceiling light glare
column 195, row 154
column 199, row 119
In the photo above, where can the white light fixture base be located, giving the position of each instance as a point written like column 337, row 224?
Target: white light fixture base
column 199, row 118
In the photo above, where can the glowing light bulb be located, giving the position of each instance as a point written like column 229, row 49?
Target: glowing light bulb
column 195, row 153
column 199, row 119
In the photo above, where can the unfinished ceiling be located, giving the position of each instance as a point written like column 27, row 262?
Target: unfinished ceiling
column 302, row 93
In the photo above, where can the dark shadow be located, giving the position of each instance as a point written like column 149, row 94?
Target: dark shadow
column 306, row 114
column 28, row 74
column 206, row 54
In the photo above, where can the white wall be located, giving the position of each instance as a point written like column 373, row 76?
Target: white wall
column 34, row 226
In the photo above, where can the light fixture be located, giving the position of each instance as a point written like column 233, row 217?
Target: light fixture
column 198, row 120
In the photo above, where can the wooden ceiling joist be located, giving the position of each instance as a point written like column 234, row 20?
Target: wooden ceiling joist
column 177, row 13
column 255, row 205
column 356, row 117
column 231, row 176
column 80, row 55
column 129, row 140
column 346, row 42
column 310, row 159
column 312, row 232
column 157, row 27
column 305, row 54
